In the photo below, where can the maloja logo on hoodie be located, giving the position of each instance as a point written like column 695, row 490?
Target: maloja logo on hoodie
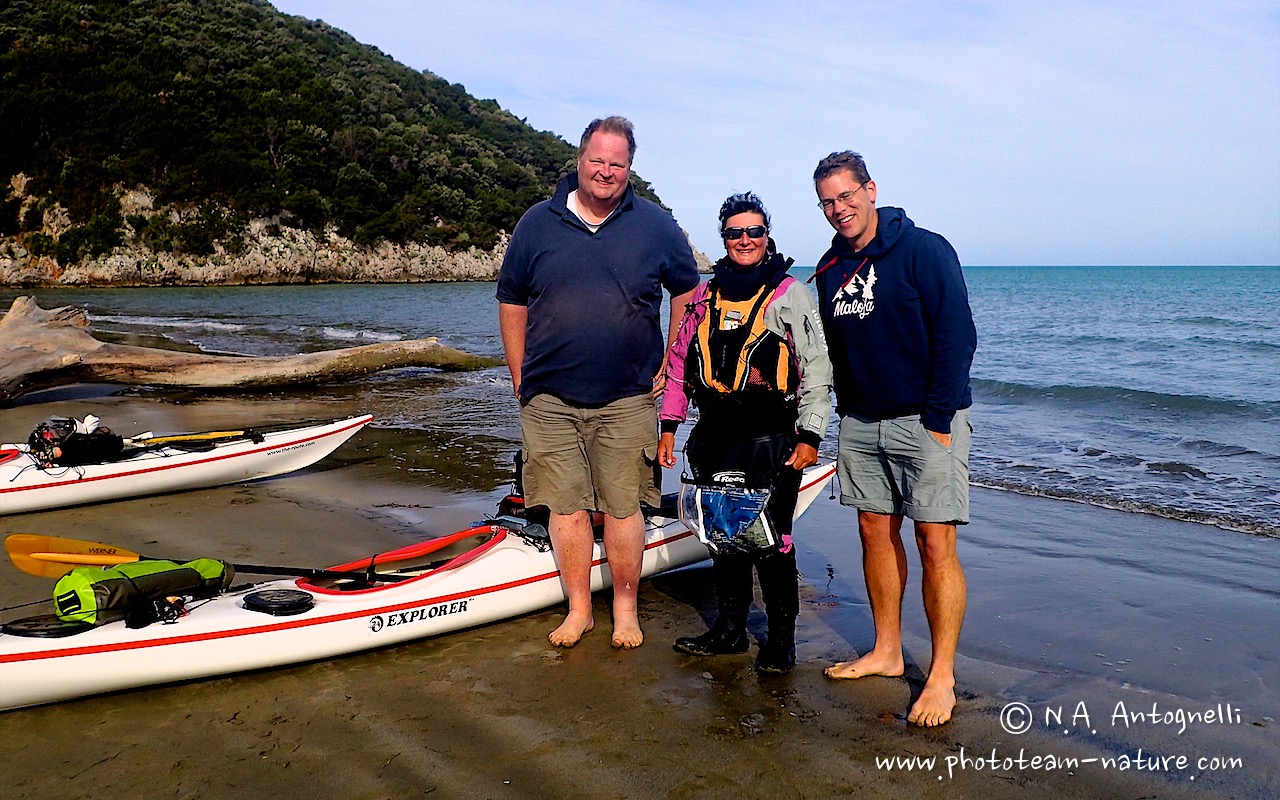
column 856, row 296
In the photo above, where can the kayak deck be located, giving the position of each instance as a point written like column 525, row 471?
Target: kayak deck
column 174, row 463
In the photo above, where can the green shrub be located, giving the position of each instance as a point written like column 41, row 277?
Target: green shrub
column 229, row 104
column 41, row 244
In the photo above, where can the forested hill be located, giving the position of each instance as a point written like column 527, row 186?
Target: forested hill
column 202, row 115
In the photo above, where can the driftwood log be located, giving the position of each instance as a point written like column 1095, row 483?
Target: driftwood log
column 40, row 349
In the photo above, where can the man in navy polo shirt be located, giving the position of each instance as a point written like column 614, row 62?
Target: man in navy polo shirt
column 579, row 298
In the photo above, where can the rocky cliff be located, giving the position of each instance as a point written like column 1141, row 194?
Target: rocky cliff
column 264, row 252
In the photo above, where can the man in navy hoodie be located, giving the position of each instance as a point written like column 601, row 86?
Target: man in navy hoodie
column 579, row 298
column 901, row 338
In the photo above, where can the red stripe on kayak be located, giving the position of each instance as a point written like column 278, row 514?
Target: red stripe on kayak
column 159, row 468
column 303, row 623
column 826, row 475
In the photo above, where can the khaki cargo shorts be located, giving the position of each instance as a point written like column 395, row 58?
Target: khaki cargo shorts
column 591, row 459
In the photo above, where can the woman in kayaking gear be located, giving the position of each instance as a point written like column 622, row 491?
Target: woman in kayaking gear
column 751, row 356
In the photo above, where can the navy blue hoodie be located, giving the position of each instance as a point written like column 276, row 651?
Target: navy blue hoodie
column 898, row 324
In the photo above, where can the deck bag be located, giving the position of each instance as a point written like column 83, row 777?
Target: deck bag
column 98, row 595
column 100, row 447
column 68, row 442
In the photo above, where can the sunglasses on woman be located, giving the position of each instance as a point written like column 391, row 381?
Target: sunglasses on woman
column 754, row 231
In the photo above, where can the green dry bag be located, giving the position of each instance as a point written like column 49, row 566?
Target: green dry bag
column 98, row 595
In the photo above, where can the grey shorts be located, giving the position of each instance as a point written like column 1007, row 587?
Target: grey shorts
column 600, row 459
column 895, row 466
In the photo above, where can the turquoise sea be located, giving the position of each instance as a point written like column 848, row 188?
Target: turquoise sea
column 1147, row 389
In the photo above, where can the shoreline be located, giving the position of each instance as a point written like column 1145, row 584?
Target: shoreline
column 1156, row 512
column 1070, row 605
column 292, row 257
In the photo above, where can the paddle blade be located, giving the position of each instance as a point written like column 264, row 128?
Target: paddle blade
column 54, row 556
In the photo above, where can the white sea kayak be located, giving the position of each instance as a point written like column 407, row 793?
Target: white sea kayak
column 491, row 572
column 174, row 463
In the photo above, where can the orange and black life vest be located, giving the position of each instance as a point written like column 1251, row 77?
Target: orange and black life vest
column 734, row 353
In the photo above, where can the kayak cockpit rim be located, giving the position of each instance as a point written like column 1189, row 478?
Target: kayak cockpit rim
column 414, row 562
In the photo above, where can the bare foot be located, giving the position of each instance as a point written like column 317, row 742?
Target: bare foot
column 933, row 707
column 626, row 631
column 572, row 629
column 870, row 664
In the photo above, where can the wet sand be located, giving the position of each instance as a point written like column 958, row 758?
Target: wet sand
column 1074, row 612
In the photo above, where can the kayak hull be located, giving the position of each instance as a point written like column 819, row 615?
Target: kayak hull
column 222, row 636
column 25, row 487
column 501, row 572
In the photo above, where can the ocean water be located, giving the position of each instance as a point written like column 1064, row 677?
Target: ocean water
column 1139, row 388
column 1147, row 389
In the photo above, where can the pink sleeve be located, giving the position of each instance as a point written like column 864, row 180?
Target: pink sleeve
column 675, row 402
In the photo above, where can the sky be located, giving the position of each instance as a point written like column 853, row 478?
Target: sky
column 1113, row 132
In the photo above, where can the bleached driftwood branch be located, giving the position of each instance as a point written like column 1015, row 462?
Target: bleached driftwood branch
column 40, row 349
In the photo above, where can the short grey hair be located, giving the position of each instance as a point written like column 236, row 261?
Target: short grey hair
column 845, row 159
column 618, row 126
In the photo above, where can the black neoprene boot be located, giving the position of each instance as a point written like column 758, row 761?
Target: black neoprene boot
column 733, row 596
column 780, row 587
column 725, row 637
column 778, row 653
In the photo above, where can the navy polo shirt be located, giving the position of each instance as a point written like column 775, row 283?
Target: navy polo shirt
column 594, row 298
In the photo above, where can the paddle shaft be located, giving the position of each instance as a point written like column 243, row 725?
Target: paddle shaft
column 246, row 433
column 93, row 560
column 53, row 556
column 186, row 437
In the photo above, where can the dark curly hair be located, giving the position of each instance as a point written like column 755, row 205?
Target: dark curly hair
column 741, row 204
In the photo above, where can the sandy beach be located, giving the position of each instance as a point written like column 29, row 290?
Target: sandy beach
column 1079, row 618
